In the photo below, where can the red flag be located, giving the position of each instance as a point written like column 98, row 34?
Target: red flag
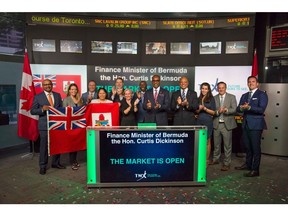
column 102, row 114
column 255, row 65
column 67, row 125
column 27, row 123
column 66, row 129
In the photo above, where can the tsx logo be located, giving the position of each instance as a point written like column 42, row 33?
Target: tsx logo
column 146, row 175
column 141, row 176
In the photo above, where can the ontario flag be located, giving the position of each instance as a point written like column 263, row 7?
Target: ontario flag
column 66, row 129
column 255, row 65
column 27, row 123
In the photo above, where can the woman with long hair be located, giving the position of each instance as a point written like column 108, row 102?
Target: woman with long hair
column 206, row 112
column 73, row 99
column 102, row 96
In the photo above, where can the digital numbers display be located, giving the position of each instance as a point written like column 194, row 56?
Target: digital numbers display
column 124, row 24
column 143, row 24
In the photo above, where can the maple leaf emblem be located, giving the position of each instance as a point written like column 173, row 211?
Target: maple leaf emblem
column 27, row 98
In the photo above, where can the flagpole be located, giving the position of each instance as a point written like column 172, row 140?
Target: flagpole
column 24, row 116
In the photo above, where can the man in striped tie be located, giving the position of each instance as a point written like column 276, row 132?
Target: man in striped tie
column 184, row 103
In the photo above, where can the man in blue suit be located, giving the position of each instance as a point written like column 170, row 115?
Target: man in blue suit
column 156, row 103
column 40, row 105
column 90, row 94
column 252, row 104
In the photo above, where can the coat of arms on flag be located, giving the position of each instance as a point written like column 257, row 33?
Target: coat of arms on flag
column 102, row 114
column 101, row 119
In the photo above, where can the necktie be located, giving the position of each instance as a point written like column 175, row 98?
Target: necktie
column 221, row 101
column 50, row 100
column 249, row 96
column 183, row 95
column 142, row 96
column 155, row 95
column 221, row 118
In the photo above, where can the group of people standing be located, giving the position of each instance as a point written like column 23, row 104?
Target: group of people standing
column 153, row 105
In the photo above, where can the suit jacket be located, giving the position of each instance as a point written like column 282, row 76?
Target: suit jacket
column 231, row 104
column 141, row 112
column 116, row 97
column 254, row 118
column 39, row 101
column 158, row 116
column 85, row 96
column 128, row 119
column 184, row 115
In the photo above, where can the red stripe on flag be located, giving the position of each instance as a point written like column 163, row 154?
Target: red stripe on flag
column 255, row 65
column 27, row 123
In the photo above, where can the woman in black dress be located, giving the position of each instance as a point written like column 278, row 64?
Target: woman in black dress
column 128, row 109
column 206, row 112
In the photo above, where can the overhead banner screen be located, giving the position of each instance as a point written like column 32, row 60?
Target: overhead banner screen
column 42, row 19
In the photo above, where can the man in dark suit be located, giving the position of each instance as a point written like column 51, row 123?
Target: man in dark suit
column 252, row 104
column 223, row 124
column 140, row 95
column 117, row 93
column 184, row 103
column 156, row 103
column 40, row 105
column 90, row 94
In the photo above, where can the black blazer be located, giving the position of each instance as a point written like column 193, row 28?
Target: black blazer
column 184, row 115
column 158, row 116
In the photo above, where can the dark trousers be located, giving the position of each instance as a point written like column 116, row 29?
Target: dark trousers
column 73, row 157
column 252, row 141
column 43, row 157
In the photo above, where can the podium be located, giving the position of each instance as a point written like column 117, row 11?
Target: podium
column 146, row 156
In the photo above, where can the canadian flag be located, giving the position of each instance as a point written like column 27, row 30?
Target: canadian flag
column 255, row 65
column 27, row 123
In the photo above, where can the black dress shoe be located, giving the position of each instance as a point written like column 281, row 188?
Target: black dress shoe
column 42, row 171
column 252, row 173
column 59, row 166
column 242, row 167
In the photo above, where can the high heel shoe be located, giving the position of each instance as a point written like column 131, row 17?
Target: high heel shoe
column 74, row 166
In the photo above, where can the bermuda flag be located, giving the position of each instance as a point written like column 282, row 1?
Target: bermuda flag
column 27, row 123
column 102, row 114
column 66, row 129
column 60, row 82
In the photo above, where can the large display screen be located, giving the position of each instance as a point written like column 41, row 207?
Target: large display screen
column 146, row 156
column 127, row 47
column 101, row 47
column 279, row 38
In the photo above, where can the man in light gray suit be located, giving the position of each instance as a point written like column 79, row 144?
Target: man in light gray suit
column 223, row 123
